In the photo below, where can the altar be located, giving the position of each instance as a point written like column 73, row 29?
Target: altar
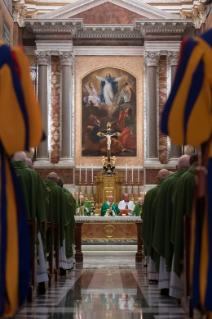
column 98, row 229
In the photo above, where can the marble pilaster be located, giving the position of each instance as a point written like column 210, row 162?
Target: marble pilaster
column 152, row 59
column 42, row 61
column 66, row 60
column 176, row 151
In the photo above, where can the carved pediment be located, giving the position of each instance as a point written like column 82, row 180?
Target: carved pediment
column 108, row 11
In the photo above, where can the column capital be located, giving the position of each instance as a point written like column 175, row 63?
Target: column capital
column 152, row 58
column 66, row 58
column 42, row 57
column 173, row 57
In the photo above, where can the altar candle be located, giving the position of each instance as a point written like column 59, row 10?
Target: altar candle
column 126, row 174
column 138, row 175
column 92, row 173
column 80, row 174
column 86, row 173
column 132, row 173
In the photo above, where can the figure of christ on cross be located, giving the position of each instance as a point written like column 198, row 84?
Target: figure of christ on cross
column 108, row 135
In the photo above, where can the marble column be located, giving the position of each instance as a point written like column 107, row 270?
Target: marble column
column 152, row 59
column 42, row 61
column 176, row 151
column 66, row 60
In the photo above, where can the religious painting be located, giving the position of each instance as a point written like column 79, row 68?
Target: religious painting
column 109, row 95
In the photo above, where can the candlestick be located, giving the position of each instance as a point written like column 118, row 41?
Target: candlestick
column 132, row 195
column 80, row 174
column 138, row 175
column 86, row 173
column 126, row 174
column 92, row 174
column 86, row 195
column 132, row 173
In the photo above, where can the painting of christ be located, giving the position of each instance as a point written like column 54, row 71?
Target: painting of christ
column 109, row 95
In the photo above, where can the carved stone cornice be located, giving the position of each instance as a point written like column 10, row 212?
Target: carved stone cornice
column 42, row 57
column 66, row 58
column 152, row 58
column 77, row 29
column 173, row 57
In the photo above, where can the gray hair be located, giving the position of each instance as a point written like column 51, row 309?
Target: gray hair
column 19, row 157
column 52, row 177
column 183, row 162
column 163, row 174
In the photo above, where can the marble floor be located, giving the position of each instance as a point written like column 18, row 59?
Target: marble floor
column 104, row 287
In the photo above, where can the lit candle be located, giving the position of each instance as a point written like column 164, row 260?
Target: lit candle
column 80, row 174
column 132, row 173
column 86, row 173
column 126, row 174
column 92, row 173
column 138, row 175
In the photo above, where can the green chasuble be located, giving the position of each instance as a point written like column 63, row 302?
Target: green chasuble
column 60, row 212
column 164, row 212
column 182, row 202
column 137, row 210
column 35, row 195
column 147, row 216
column 106, row 206
column 70, row 234
column 86, row 212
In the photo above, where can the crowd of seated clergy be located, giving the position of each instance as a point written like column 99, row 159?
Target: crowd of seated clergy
column 164, row 210
column 125, row 207
column 47, row 201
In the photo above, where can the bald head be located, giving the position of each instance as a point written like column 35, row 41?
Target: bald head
column 29, row 163
column 163, row 174
column 53, row 176
column 19, row 157
column 183, row 162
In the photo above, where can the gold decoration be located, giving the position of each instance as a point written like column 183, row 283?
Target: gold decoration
column 109, row 231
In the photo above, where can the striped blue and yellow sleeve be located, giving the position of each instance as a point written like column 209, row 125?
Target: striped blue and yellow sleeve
column 187, row 114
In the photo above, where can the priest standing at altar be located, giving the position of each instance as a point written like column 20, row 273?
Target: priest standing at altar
column 110, row 206
column 126, row 203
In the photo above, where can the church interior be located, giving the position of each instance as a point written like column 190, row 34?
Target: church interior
column 105, row 159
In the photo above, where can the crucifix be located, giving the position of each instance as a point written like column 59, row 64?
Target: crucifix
column 108, row 135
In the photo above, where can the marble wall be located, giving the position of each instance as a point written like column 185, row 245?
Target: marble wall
column 83, row 66
column 108, row 13
column 5, row 17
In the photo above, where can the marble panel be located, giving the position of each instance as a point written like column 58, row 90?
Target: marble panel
column 6, row 17
column 208, row 23
column 109, row 230
column 163, row 148
column 108, row 13
column 55, row 110
column 86, row 64
column 65, row 173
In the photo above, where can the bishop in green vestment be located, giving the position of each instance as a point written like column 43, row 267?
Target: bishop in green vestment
column 35, row 195
column 69, row 234
column 182, row 202
column 138, row 207
column 162, row 231
column 110, row 207
column 59, row 212
column 82, row 207
column 148, row 218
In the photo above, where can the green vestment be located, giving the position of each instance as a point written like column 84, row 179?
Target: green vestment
column 164, row 212
column 35, row 195
column 147, row 216
column 138, row 210
column 85, row 212
column 60, row 212
column 182, row 203
column 70, row 234
column 106, row 206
